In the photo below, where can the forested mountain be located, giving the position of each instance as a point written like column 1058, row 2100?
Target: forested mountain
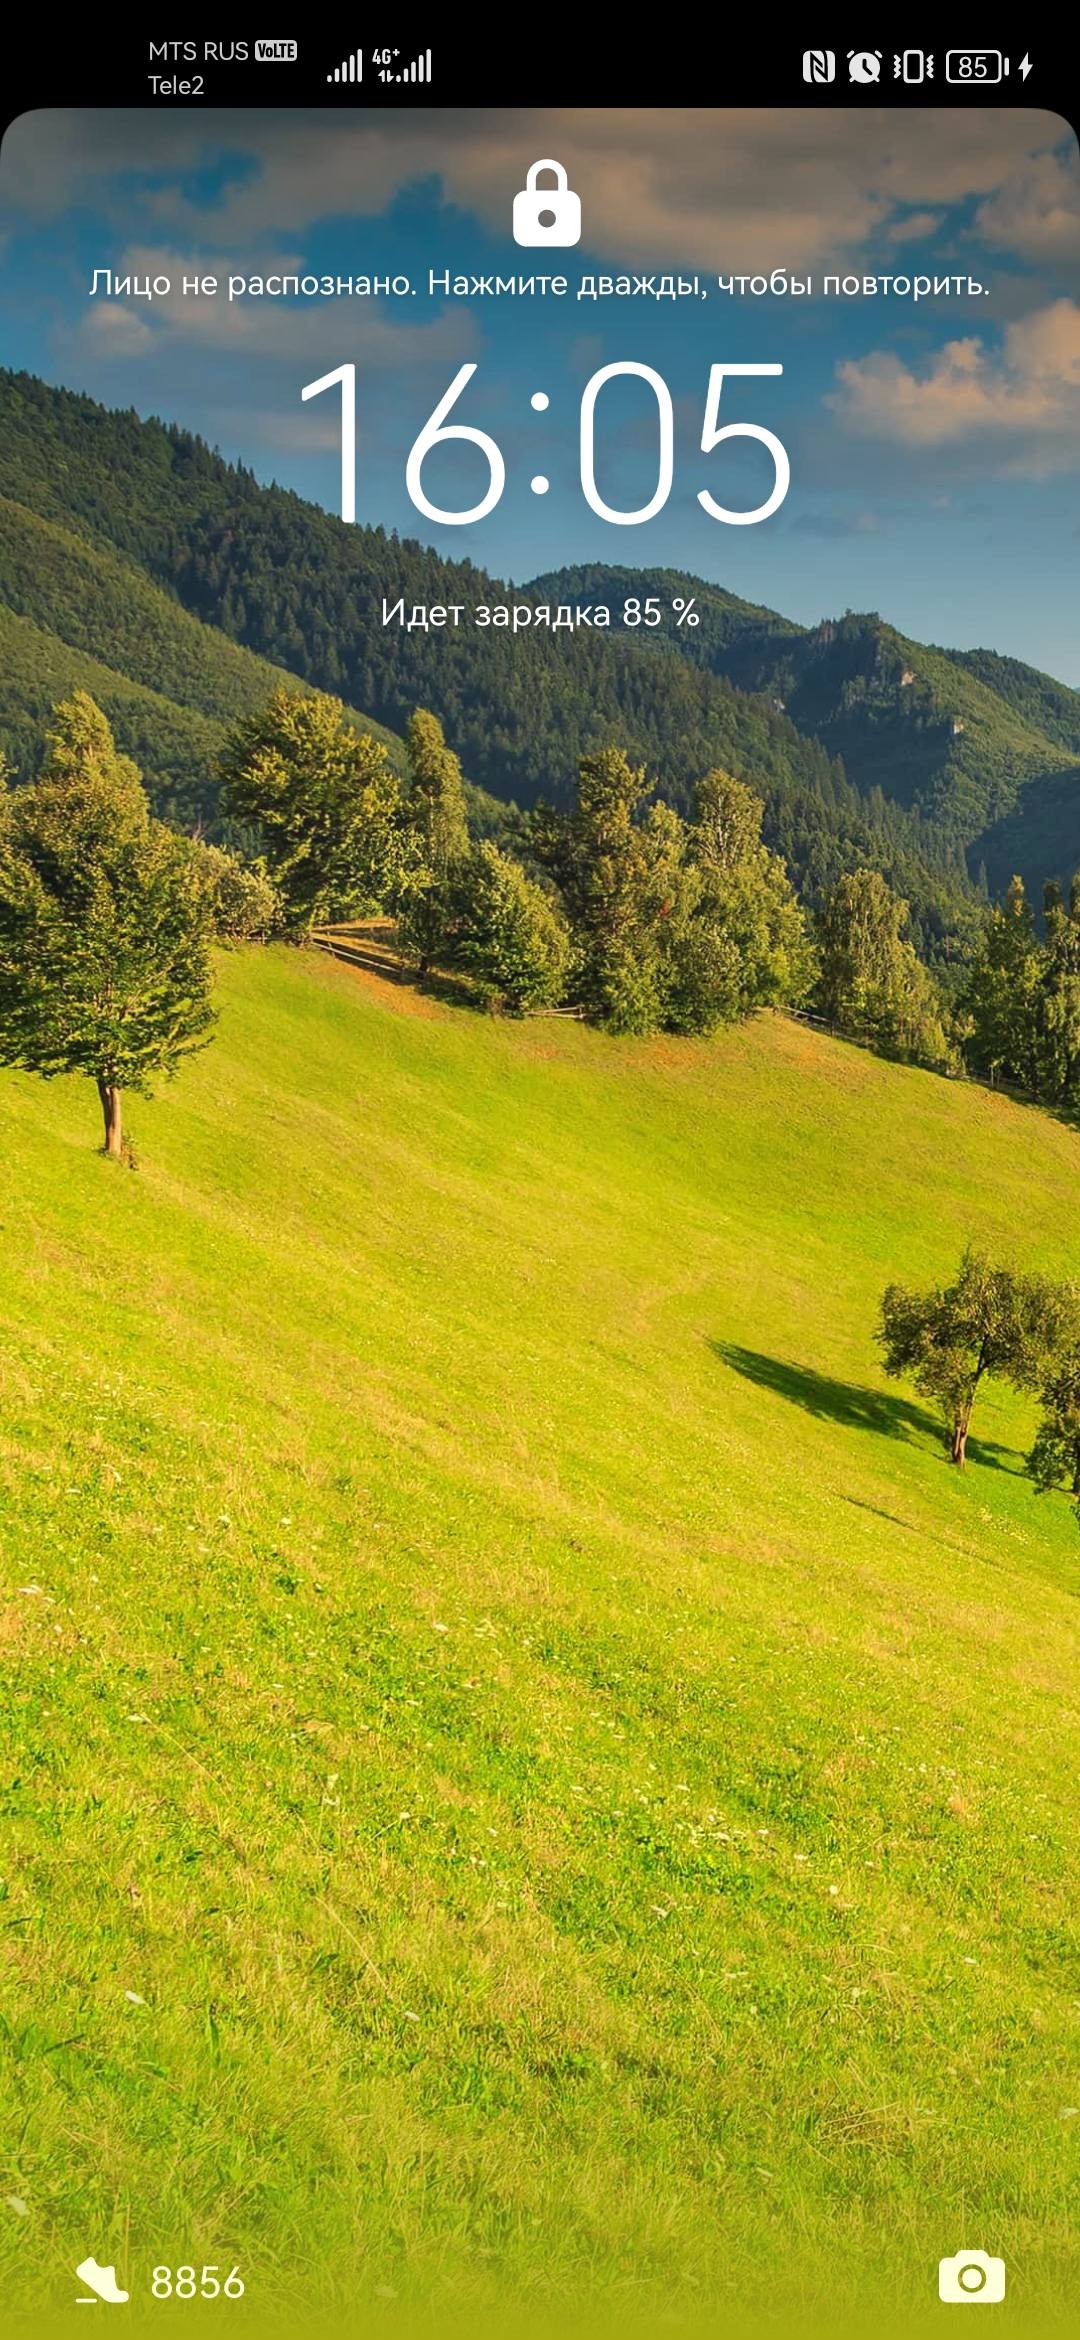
column 961, row 736
column 1051, row 706
column 864, row 745
column 74, row 615
column 1039, row 838
column 175, row 747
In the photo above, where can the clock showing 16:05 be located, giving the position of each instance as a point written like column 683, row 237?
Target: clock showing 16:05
column 439, row 431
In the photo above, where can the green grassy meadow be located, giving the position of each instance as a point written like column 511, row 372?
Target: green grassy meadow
column 527, row 1780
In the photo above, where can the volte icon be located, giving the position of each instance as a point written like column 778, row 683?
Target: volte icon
column 102, row 2285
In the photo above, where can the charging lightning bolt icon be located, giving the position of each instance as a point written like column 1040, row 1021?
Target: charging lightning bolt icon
column 1025, row 66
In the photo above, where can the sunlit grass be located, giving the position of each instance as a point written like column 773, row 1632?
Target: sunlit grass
column 529, row 1779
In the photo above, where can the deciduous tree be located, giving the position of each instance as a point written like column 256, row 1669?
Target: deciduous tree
column 743, row 943
column 676, row 928
column 327, row 803
column 1054, row 1460
column 1001, row 997
column 623, row 884
column 436, row 812
column 1023, row 996
column 1059, row 996
column 508, row 936
column 104, row 923
column 871, row 983
column 988, row 1321
column 244, row 904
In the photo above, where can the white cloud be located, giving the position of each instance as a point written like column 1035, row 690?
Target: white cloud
column 1024, row 399
column 916, row 227
column 115, row 331
column 1037, row 213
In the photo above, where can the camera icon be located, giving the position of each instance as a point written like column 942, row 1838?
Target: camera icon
column 971, row 2279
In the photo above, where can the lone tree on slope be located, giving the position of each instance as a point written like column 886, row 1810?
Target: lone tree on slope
column 104, row 924
column 989, row 1321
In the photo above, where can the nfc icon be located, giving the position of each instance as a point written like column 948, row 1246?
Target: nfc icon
column 819, row 65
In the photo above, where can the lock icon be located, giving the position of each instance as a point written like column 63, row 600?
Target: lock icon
column 547, row 215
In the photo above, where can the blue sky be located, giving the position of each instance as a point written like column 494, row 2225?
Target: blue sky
column 935, row 450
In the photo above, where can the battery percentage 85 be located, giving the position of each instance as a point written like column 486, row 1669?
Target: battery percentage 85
column 980, row 65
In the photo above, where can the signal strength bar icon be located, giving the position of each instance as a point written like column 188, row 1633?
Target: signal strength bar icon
column 350, row 68
column 419, row 70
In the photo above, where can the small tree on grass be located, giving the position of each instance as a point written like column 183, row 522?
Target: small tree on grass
column 104, row 923
column 327, row 804
column 1054, row 1460
column 507, row 935
column 989, row 1321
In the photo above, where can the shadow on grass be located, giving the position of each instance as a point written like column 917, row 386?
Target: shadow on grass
column 853, row 1406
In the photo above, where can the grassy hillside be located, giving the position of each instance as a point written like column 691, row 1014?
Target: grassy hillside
column 529, row 1776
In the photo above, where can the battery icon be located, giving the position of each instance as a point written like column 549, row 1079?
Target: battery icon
column 975, row 67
